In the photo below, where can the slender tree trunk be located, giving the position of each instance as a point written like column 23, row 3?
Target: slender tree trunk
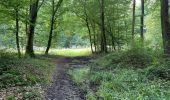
column 88, row 25
column 51, row 28
column 165, row 26
column 94, row 36
column 17, row 31
column 133, row 20
column 103, row 35
column 112, row 39
column 50, row 35
column 54, row 11
column 26, row 22
column 90, row 36
column 142, row 21
column 33, row 18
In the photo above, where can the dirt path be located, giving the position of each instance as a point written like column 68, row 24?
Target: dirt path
column 63, row 88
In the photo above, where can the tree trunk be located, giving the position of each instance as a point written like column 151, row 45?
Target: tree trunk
column 142, row 21
column 50, row 35
column 54, row 11
column 89, row 31
column 32, row 20
column 103, row 35
column 133, row 20
column 94, row 36
column 165, row 26
column 17, row 31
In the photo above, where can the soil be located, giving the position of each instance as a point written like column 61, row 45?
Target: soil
column 62, row 87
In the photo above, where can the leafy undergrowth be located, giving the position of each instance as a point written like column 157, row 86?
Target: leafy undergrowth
column 23, row 77
column 136, row 74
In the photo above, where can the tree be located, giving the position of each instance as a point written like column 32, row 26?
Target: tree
column 53, row 19
column 142, row 20
column 103, row 34
column 14, row 7
column 87, row 23
column 17, row 28
column 133, row 17
column 34, row 7
column 165, row 26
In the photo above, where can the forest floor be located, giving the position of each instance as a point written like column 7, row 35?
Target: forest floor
column 136, row 73
column 63, row 87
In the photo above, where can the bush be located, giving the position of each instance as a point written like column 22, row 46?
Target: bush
column 137, row 58
column 134, row 58
column 159, row 70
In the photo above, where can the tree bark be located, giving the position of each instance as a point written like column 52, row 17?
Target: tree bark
column 165, row 26
column 133, row 20
column 17, row 31
column 94, row 35
column 142, row 21
column 90, row 36
column 103, row 35
column 32, row 20
column 54, row 11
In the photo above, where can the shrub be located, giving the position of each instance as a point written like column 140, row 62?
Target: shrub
column 159, row 71
column 137, row 58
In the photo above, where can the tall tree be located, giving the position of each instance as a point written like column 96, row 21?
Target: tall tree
column 103, row 33
column 14, row 7
column 53, row 19
column 88, row 24
column 133, row 20
column 17, row 28
column 142, row 20
column 34, row 7
column 165, row 26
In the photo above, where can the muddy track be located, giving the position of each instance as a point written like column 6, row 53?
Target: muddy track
column 63, row 88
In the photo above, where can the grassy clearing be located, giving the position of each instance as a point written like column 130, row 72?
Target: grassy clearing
column 23, row 77
column 135, row 74
column 71, row 52
column 68, row 52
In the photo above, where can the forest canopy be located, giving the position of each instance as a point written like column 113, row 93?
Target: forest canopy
column 102, row 25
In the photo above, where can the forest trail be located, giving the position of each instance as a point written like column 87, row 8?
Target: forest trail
column 63, row 88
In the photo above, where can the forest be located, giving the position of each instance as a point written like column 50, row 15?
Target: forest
column 84, row 50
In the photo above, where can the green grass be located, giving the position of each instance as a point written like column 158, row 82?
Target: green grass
column 80, row 76
column 68, row 52
column 116, row 76
column 71, row 52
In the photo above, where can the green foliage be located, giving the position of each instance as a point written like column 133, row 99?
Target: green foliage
column 10, row 98
column 159, row 70
column 134, row 57
column 79, row 76
column 90, row 96
column 32, row 95
column 23, row 71
column 98, row 77
column 131, row 85
column 137, row 57
column 120, row 76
